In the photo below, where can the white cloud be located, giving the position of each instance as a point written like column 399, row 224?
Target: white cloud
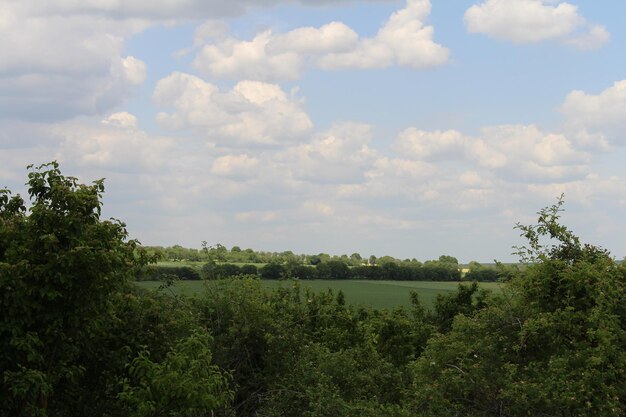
column 516, row 151
column 528, row 153
column 236, row 166
column 597, row 121
column 115, row 144
column 427, row 145
column 65, row 58
column 529, row 21
column 122, row 120
column 165, row 10
column 252, row 113
column 236, row 59
column 60, row 66
column 595, row 37
column 339, row 155
column 584, row 191
column 403, row 40
column 330, row 187
column 332, row 37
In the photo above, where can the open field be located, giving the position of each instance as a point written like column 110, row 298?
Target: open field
column 379, row 294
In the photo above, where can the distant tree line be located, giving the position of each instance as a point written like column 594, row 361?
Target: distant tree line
column 220, row 254
column 444, row 269
column 163, row 273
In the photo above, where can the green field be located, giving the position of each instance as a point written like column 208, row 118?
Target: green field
column 379, row 294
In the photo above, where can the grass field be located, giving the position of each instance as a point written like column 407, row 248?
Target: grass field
column 379, row 294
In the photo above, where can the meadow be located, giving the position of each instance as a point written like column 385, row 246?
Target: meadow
column 377, row 294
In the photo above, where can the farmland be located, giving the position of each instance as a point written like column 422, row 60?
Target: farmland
column 378, row 294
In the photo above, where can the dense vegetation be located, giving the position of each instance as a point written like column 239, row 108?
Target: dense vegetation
column 219, row 262
column 446, row 268
column 77, row 340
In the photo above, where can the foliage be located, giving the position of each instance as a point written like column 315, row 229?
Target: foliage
column 551, row 345
column 185, row 383
column 465, row 301
column 163, row 273
column 70, row 326
column 292, row 352
column 59, row 263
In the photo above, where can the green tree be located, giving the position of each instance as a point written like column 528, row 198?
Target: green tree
column 59, row 264
column 553, row 344
column 185, row 383
column 70, row 324
column 356, row 259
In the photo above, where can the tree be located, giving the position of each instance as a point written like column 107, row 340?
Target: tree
column 70, row 323
column 185, row 379
column 272, row 270
column 356, row 259
column 551, row 345
column 478, row 272
column 447, row 259
column 59, row 263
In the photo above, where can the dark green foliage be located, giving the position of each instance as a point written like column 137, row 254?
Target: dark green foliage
column 294, row 353
column 59, row 263
column 212, row 270
column 272, row 270
column 332, row 270
column 70, row 328
column 466, row 300
column 304, row 272
column 249, row 269
column 481, row 273
column 184, row 383
column 163, row 273
column 551, row 345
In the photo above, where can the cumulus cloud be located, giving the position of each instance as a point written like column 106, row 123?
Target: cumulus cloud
column 165, row 10
column 339, row 155
column 597, row 121
column 235, row 166
column 427, row 145
column 237, row 59
column 521, row 152
column 60, row 66
column 115, row 143
column 332, row 37
column 65, row 58
column 530, row 21
column 329, row 185
column 403, row 40
column 526, row 153
column 252, row 113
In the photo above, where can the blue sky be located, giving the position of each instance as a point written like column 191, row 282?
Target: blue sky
column 404, row 128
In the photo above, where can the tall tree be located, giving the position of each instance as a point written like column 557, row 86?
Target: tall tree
column 58, row 265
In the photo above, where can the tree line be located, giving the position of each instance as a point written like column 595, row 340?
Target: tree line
column 337, row 270
column 78, row 338
column 437, row 270
column 218, row 253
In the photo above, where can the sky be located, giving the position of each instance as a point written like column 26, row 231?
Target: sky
column 405, row 128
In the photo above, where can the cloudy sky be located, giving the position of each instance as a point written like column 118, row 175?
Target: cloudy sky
column 407, row 128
